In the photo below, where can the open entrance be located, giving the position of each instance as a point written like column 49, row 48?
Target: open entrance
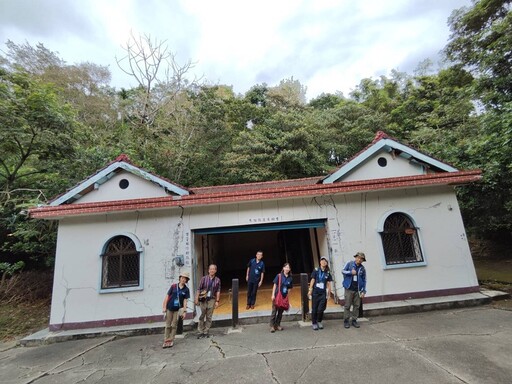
column 299, row 243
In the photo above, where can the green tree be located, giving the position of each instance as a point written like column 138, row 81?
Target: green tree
column 36, row 142
column 481, row 41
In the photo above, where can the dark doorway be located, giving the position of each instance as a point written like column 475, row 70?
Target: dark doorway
column 232, row 251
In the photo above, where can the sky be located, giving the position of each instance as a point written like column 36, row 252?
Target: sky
column 328, row 45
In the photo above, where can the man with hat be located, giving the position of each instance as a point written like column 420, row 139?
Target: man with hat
column 175, row 305
column 354, row 282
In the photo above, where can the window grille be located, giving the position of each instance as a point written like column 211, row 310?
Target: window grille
column 121, row 264
column 400, row 240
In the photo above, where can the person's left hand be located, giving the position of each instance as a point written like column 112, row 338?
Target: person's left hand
column 362, row 295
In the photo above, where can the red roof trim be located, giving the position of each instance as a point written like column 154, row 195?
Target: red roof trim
column 448, row 178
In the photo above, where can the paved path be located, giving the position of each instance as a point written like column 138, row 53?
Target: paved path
column 470, row 345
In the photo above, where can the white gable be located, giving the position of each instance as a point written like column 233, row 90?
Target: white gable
column 119, row 181
column 385, row 159
column 123, row 186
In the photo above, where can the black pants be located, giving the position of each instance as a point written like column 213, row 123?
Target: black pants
column 252, row 290
column 318, row 304
column 276, row 316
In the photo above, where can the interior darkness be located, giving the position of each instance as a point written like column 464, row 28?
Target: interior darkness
column 232, row 251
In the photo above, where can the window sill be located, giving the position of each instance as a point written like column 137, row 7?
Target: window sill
column 406, row 265
column 122, row 289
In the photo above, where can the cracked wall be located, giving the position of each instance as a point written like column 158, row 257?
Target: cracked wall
column 351, row 226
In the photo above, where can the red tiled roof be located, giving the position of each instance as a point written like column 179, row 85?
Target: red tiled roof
column 255, row 186
column 258, row 192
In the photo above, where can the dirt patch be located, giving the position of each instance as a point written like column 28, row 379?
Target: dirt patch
column 20, row 320
column 25, row 304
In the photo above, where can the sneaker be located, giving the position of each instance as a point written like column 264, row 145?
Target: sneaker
column 200, row 336
column 279, row 328
column 315, row 327
column 272, row 329
column 346, row 324
column 355, row 324
column 207, row 335
column 320, row 326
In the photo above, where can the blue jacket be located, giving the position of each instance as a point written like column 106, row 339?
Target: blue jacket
column 361, row 276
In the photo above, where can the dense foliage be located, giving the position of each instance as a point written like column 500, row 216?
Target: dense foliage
column 59, row 123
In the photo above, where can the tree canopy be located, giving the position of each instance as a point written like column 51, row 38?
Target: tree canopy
column 59, row 123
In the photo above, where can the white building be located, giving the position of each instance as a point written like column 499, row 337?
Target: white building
column 125, row 234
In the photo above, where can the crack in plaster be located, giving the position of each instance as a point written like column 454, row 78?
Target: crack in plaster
column 177, row 236
column 133, row 301
column 436, row 205
column 65, row 285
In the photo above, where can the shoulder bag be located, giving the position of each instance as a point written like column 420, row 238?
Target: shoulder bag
column 280, row 301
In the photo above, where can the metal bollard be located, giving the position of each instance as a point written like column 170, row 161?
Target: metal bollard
column 304, row 295
column 234, row 292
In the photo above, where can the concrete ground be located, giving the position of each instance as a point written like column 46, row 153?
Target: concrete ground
column 461, row 345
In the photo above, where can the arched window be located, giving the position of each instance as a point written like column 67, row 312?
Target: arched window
column 120, row 263
column 400, row 240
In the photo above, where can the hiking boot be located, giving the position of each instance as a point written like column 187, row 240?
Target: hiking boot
column 315, row 327
column 346, row 324
column 355, row 324
column 320, row 325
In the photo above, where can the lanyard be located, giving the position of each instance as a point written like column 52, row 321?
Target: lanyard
column 321, row 275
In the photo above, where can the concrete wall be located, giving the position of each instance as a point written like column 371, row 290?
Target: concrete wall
column 352, row 222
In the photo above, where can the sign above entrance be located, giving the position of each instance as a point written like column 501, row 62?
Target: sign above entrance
column 263, row 227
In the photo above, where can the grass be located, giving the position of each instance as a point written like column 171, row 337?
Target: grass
column 494, row 270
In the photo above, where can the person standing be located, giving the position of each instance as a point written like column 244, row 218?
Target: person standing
column 175, row 306
column 354, row 282
column 320, row 291
column 208, row 298
column 282, row 280
column 254, row 278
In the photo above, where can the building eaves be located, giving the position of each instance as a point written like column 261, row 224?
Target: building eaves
column 316, row 190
